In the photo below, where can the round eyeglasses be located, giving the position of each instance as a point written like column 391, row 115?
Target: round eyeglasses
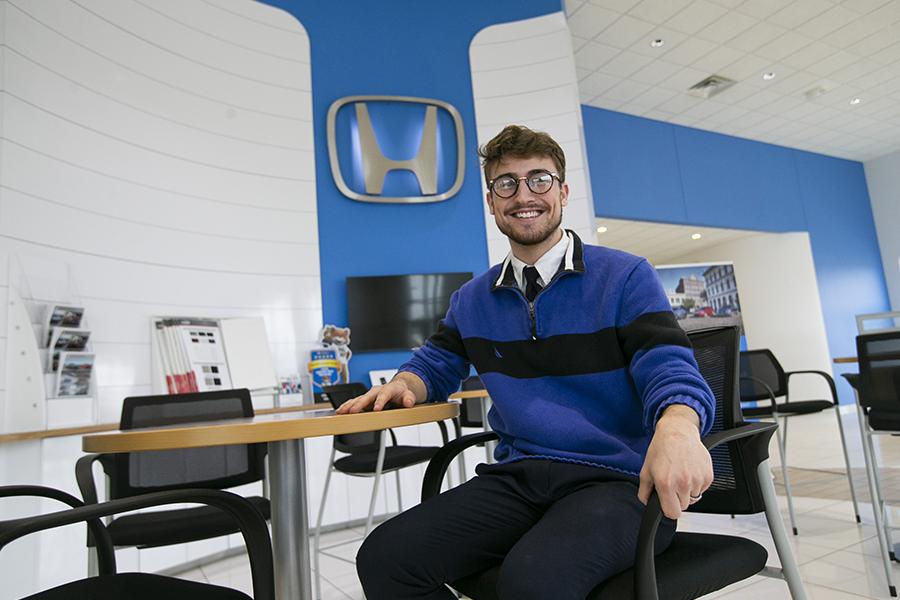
column 507, row 185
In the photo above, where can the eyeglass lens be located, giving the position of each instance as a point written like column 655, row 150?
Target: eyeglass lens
column 506, row 186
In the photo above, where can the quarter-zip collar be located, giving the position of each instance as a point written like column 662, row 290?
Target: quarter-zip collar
column 572, row 261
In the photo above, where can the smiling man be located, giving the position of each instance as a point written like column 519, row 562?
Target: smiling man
column 596, row 398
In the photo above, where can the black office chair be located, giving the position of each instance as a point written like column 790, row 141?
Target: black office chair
column 215, row 467
column 763, row 380
column 695, row 564
column 877, row 388
column 366, row 455
column 110, row 585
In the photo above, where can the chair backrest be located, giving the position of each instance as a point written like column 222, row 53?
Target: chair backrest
column 735, row 488
column 761, row 366
column 215, row 467
column 471, row 410
column 351, row 443
column 879, row 370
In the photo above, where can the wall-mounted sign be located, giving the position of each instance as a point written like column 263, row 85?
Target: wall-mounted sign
column 702, row 294
column 395, row 148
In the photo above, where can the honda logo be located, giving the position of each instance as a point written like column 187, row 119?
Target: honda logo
column 357, row 154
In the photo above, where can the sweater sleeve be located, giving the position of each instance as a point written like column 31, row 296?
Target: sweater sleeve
column 658, row 352
column 441, row 362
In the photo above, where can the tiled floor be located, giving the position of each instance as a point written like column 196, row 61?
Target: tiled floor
column 838, row 558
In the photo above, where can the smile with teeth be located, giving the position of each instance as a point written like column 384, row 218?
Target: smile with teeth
column 527, row 214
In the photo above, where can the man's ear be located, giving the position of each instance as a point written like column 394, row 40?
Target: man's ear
column 564, row 194
column 490, row 202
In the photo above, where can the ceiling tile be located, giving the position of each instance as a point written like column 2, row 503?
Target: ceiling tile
column 830, row 64
column 715, row 60
column 678, row 103
column 888, row 56
column 799, row 12
column 689, row 51
column 578, row 42
column 594, row 54
column 748, row 67
column 624, row 32
column 652, row 97
column 876, row 77
column 657, row 11
column 696, row 16
column 727, row 28
column 582, row 73
column 683, row 79
column 731, row 113
column 761, row 33
column 831, row 20
column 762, row 9
column 625, row 91
column 876, row 42
column 671, row 38
column 658, row 115
column 589, row 20
column 784, row 46
column 759, row 99
column 864, row 6
column 794, row 83
column 809, row 55
column 728, row 3
column 888, row 12
column 656, row 72
column 806, row 112
column 624, row 64
column 781, row 105
column 597, row 83
column 703, row 110
column 620, row 6
column 854, row 31
column 571, row 6
column 854, row 71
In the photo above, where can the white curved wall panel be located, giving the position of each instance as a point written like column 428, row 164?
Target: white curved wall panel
column 157, row 158
column 524, row 72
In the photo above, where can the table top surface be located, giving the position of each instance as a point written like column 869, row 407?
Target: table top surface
column 840, row 360
column 264, row 428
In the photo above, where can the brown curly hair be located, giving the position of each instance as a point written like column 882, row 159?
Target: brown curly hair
column 521, row 142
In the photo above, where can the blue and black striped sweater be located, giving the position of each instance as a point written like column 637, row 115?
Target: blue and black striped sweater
column 581, row 375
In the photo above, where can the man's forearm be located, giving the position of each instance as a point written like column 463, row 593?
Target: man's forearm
column 414, row 384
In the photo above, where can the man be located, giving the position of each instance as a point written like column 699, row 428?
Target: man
column 596, row 399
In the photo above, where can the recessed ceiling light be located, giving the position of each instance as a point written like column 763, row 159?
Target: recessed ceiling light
column 768, row 75
column 696, row 236
column 657, row 43
column 602, row 229
column 856, row 101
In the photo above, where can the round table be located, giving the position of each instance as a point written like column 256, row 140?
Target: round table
column 284, row 432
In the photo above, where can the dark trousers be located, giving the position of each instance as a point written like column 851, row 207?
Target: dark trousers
column 557, row 530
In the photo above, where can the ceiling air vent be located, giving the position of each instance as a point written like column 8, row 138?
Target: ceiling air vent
column 710, row 86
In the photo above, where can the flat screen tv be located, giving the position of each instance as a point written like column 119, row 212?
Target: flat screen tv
column 398, row 312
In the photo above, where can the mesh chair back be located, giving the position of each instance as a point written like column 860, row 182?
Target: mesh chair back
column 214, row 467
column 351, row 443
column 734, row 490
column 879, row 370
column 761, row 366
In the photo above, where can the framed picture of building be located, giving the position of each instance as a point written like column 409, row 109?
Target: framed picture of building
column 702, row 294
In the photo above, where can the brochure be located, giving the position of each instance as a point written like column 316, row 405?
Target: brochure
column 62, row 316
column 67, row 339
column 74, row 377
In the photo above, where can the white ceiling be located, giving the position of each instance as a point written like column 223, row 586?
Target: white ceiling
column 851, row 48
column 661, row 243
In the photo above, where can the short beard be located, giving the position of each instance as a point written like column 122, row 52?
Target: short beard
column 531, row 238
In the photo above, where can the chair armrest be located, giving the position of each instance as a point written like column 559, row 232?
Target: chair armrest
column 827, row 377
column 437, row 466
column 251, row 523
column 644, row 561
column 106, row 554
column 84, row 476
column 769, row 390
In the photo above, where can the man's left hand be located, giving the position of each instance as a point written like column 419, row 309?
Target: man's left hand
column 678, row 466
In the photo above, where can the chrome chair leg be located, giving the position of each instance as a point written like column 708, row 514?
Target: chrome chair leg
column 379, row 465
column 317, row 536
column 837, row 412
column 789, row 569
column 781, row 435
column 399, row 493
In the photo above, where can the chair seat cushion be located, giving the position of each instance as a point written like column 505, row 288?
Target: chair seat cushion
column 884, row 420
column 178, row 526
column 138, row 586
column 724, row 559
column 803, row 407
column 395, row 457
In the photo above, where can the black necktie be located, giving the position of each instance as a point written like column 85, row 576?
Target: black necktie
column 532, row 287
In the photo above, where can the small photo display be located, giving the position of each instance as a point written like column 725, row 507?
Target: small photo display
column 74, row 378
column 66, row 339
column 63, row 316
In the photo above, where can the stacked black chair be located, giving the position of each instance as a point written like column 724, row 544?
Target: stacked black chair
column 878, row 405
column 365, row 454
column 695, row 564
column 110, row 585
column 215, row 467
column 763, row 380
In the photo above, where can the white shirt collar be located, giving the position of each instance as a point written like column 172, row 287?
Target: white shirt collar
column 547, row 265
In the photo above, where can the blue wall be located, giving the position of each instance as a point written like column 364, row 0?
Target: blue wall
column 648, row 170
column 406, row 48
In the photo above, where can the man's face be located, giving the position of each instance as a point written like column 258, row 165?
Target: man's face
column 528, row 218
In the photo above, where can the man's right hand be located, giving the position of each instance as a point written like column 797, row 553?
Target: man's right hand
column 399, row 392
